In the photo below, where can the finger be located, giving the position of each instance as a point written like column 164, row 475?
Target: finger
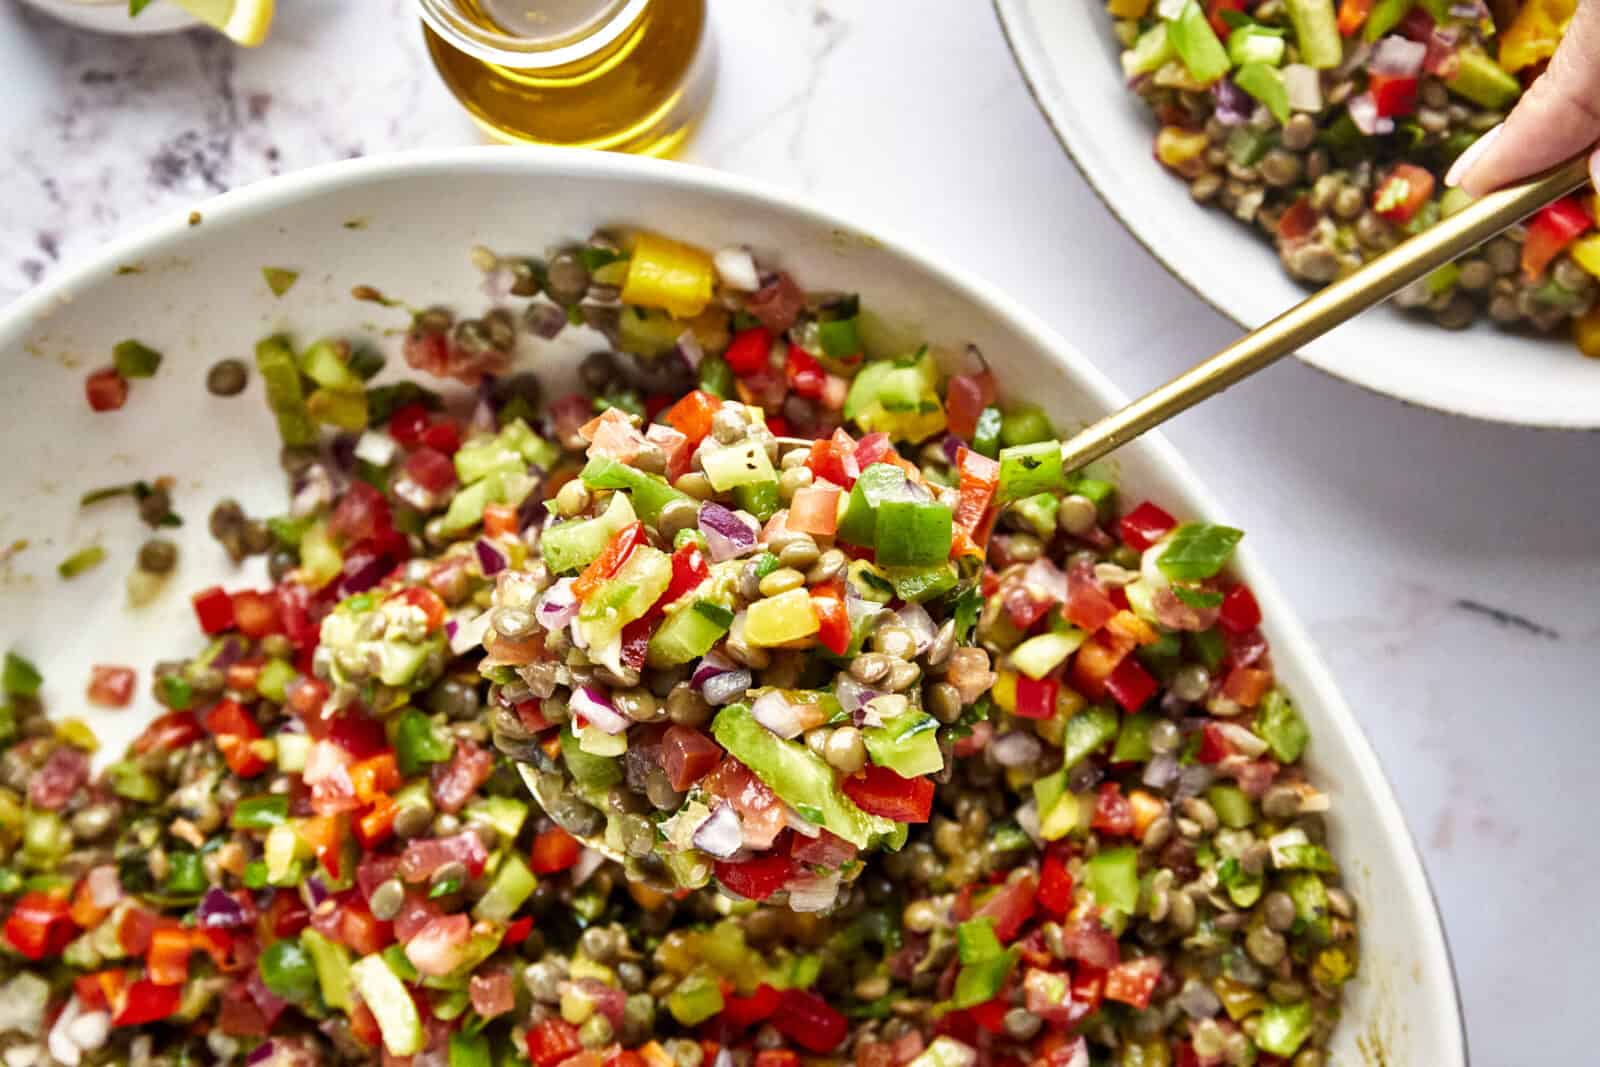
column 1556, row 119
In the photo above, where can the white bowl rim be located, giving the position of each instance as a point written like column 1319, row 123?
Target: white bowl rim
column 261, row 198
column 1009, row 14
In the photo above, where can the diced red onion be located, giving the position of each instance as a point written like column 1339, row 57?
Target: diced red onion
column 105, row 888
column 468, row 635
column 851, row 694
column 952, row 446
column 858, row 608
column 314, row 891
column 689, row 348
column 589, row 861
column 595, row 707
column 1304, row 86
column 363, row 574
column 711, row 665
column 725, row 688
column 915, row 618
column 414, row 495
column 736, row 267
column 799, row 823
column 1193, row 780
column 1047, row 578
column 219, row 911
column 727, row 535
column 784, row 717
column 544, row 319
column 813, row 892
column 1161, row 771
column 558, row 606
column 490, row 557
column 1015, row 749
column 1233, row 106
column 1364, row 113
column 260, row 1053
column 1397, row 57
column 270, row 1003
column 720, row 835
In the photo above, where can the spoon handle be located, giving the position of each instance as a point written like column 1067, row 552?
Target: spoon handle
column 1314, row 316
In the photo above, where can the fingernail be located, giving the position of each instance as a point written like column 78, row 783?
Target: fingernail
column 1594, row 168
column 1474, row 152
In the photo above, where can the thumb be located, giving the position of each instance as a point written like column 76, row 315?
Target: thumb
column 1557, row 118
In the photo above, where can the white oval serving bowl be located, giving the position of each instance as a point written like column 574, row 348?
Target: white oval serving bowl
column 1069, row 58
column 405, row 224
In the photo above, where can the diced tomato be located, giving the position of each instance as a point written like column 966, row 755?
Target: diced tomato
column 1087, row 605
column 214, row 609
column 966, row 395
column 692, row 415
column 167, row 962
column 880, row 791
column 1353, row 15
column 552, row 1041
column 1113, row 814
column 443, row 436
column 255, row 614
column 1402, row 193
column 815, row 510
column 1298, row 221
column 1246, row 686
column 500, row 520
column 1144, row 526
column 441, row 946
column 740, row 1012
column 236, row 734
column 874, row 448
column 809, row 1021
column 431, row 469
column 1096, row 660
column 610, row 560
column 147, row 1002
column 110, row 687
column 834, row 460
column 40, row 925
column 455, row 782
column 826, row 850
column 777, row 1057
column 1089, row 980
column 687, row 755
column 1394, row 95
column 803, row 373
column 62, row 777
column 423, row 857
column 761, row 813
column 1551, row 231
column 1055, row 885
column 1037, row 699
column 407, row 424
column 833, row 619
column 169, row 732
column 1010, row 906
column 1214, row 744
column 1130, row 685
column 756, row 878
column 1024, row 604
column 492, row 994
column 748, row 351
column 554, row 850
column 1239, row 613
column 1133, row 981
column 134, row 927
column 106, row 390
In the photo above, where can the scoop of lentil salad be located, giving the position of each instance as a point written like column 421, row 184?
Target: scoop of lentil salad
column 321, row 850
column 1329, row 125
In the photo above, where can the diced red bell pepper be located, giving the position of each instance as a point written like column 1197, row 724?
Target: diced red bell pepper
column 689, row 569
column 974, row 517
column 777, row 1057
column 1113, row 814
column 500, row 520
column 326, row 834
column 741, row 1012
column 833, row 619
column 966, row 395
column 1145, row 525
column 1402, row 193
column 1130, row 685
column 1088, row 984
column 1551, row 231
column 110, row 687
column 1395, row 95
column 552, row 1041
column 167, row 962
column 236, row 732
column 692, row 415
column 1239, row 612
column 1214, row 10
column 554, row 850
column 1298, row 221
column 169, row 732
column 748, row 351
column 880, row 791
column 757, row 878
column 1055, row 885
column 1096, row 660
column 105, row 389
column 834, row 460
column 991, row 1015
column 255, row 614
column 1353, row 15
column 40, row 925
column 1010, row 906
column 214, row 608
column 443, row 436
column 687, row 755
column 147, row 1002
column 809, row 1021
column 431, row 469
column 376, row 824
column 1214, row 744
column 803, row 373
column 407, row 424
column 610, row 560
column 517, row 930
column 1037, row 699
column 1133, row 981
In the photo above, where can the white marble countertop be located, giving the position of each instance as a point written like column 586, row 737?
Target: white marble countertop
column 1450, row 570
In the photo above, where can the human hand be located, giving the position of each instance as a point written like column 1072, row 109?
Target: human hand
column 1558, row 117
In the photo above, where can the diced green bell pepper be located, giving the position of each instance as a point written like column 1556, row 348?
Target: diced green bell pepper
column 1043, row 653
column 1233, row 807
column 1306, row 857
column 1280, row 726
column 418, row 742
column 913, row 533
column 1266, row 85
column 986, row 435
column 513, row 884
column 626, row 596
column 332, row 963
column 288, row 971
column 186, row 874
column 918, row 585
column 1283, row 1028
column 1310, row 898
column 688, row 633
column 650, row 492
column 260, row 813
column 19, row 677
column 1481, row 80
column 1112, row 875
column 985, row 964
column 592, row 772
column 839, row 338
column 390, row 1003
column 569, row 545
column 731, row 466
column 696, row 999
column 761, row 499
column 716, row 377
column 879, row 483
column 1152, row 51
column 1316, row 32
column 797, row 775
column 470, row 1050
column 1255, row 43
column 134, row 782
column 1029, row 469
column 280, row 371
column 1087, row 732
column 1197, row 44
column 1133, row 740
column 907, row 744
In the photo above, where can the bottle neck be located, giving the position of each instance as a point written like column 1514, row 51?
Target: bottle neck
column 450, row 20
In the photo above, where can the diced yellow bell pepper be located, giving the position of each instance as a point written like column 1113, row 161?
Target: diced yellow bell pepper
column 1238, row 999
column 777, row 620
column 1128, row 9
column 1004, row 691
column 1068, row 703
column 1586, row 252
column 1176, row 146
column 668, row 274
column 1147, row 807
column 1533, row 35
column 1586, row 332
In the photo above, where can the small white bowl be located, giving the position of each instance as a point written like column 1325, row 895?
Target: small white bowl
column 405, row 224
column 111, row 16
column 1069, row 58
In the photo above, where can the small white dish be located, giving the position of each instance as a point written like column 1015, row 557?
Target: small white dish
column 111, row 16
column 1069, row 59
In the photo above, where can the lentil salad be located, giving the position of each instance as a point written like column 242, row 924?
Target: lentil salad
column 1329, row 125
column 1120, row 859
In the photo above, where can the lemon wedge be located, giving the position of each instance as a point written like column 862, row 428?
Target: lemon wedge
column 244, row 21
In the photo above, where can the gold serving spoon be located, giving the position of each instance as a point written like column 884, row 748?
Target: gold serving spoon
column 1376, row 281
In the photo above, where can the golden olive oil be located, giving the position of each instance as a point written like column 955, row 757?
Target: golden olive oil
column 610, row 74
